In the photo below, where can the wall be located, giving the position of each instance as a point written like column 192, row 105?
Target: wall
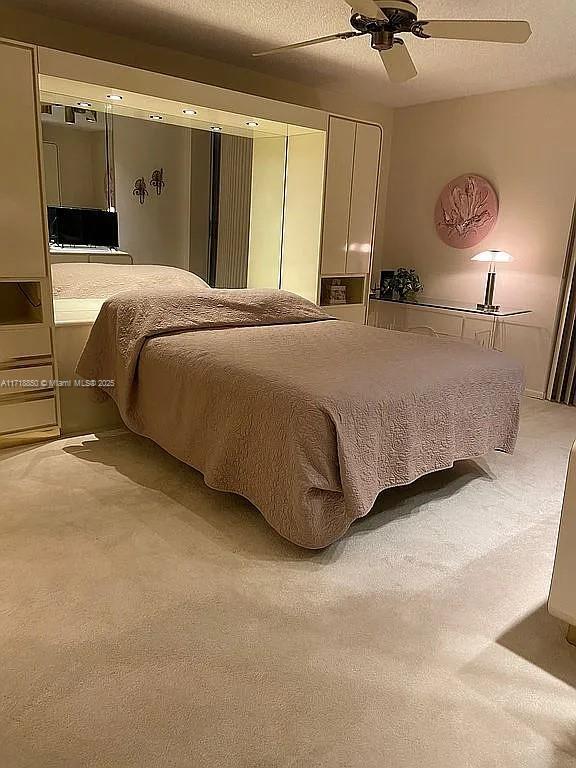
column 523, row 141
column 157, row 232
column 266, row 211
column 51, row 173
column 81, row 164
column 303, row 214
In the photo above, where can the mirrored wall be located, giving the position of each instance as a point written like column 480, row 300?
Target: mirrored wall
column 196, row 189
column 195, row 198
column 75, row 157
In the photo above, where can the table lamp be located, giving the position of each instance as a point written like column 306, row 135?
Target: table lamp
column 492, row 257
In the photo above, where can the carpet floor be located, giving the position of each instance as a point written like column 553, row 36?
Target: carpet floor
column 147, row 621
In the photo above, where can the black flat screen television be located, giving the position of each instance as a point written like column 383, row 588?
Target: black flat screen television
column 83, row 226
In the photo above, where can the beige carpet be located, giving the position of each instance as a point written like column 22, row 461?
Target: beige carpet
column 146, row 620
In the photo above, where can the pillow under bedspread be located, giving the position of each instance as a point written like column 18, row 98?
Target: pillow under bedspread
column 100, row 281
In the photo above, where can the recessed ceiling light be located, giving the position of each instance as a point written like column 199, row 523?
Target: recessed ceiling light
column 155, row 117
column 190, row 111
column 84, row 104
column 114, row 97
column 215, row 128
column 252, row 124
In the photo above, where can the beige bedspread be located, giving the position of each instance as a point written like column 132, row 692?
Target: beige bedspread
column 309, row 418
column 100, row 281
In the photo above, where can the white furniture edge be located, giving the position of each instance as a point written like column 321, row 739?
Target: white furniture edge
column 72, row 66
column 562, row 600
column 31, row 433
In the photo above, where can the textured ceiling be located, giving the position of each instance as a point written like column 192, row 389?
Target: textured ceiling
column 229, row 30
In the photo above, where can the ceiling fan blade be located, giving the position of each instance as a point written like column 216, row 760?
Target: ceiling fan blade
column 339, row 36
column 367, row 8
column 487, row 31
column 398, row 63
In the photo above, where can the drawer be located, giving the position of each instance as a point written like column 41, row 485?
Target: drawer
column 25, row 379
column 31, row 413
column 21, row 343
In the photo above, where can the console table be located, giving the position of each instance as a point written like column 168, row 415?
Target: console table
column 496, row 318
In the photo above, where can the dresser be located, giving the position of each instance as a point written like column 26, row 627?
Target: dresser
column 28, row 393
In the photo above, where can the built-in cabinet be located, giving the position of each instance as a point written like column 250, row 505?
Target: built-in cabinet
column 339, row 178
column 352, row 177
column 313, row 213
column 28, row 399
column 313, row 206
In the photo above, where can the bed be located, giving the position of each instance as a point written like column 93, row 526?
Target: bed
column 308, row 417
column 100, row 281
column 79, row 290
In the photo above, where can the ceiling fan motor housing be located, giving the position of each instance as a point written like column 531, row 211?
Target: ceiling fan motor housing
column 401, row 16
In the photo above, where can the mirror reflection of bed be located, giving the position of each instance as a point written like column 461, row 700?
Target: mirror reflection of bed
column 134, row 201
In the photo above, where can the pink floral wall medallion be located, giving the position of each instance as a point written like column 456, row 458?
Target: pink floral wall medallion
column 466, row 211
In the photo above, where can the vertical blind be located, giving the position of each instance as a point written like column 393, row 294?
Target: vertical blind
column 234, row 212
column 562, row 381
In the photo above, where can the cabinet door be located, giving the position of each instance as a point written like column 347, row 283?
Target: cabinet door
column 363, row 199
column 339, row 168
column 22, row 237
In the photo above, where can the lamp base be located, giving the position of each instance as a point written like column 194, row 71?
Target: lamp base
column 488, row 307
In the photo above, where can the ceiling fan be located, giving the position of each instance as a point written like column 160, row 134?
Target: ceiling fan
column 383, row 20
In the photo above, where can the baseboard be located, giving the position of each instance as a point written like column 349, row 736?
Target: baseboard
column 535, row 394
column 27, row 436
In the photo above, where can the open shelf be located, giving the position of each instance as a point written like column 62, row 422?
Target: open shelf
column 354, row 285
column 20, row 302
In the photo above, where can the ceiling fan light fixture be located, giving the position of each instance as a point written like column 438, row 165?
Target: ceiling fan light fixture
column 384, row 20
column 382, row 40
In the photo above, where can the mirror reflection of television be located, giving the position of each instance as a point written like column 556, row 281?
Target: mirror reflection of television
column 83, row 226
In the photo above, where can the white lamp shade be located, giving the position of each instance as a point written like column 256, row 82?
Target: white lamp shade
column 492, row 256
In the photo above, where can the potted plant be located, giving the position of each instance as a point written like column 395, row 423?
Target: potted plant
column 406, row 283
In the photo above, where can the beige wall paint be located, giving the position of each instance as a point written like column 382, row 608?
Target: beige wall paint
column 523, row 141
column 266, row 211
column 157, row 232
column 81, row 165
column 303, row 214
column 51, row 173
